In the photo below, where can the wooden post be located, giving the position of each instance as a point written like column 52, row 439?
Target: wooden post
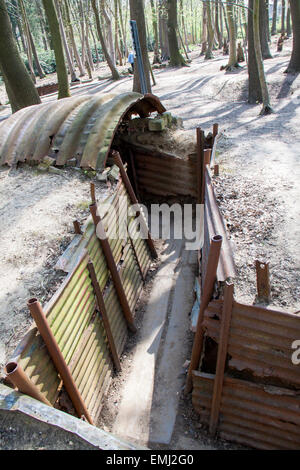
column 102, row 309
column 221, row 358
column 77, row 227
column 210, row 277
column 93, row 194
column 216, row 170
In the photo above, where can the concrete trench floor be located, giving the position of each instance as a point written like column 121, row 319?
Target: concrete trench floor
column 150, row 395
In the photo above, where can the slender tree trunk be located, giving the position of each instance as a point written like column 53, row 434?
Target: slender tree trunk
column 274, row 18
column 64, row 41
column 72, row 39
column 137, row 13
column 36, row 58
column 114, row 71
column 204, row 30
column 283, row 16
column 288, row 22
column 210, row 29
column 109, row 32
column 163, row 30
column 123, row 29
column 156, row 58
column 176, row 58
column 217, row 26
column 266, row 109
column 263, row 29
column 28, row 41
column 61, row 69
column 254, row 88
column 19, row 86
column 233, row 62
column 294, row 65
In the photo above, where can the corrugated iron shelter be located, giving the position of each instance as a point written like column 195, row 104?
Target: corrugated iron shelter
column 82, row 127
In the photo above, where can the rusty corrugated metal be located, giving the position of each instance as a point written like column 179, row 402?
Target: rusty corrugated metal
column 260, row 416
column 260, row 341
column 165, row 175
column 81, row 127
column 214, row 225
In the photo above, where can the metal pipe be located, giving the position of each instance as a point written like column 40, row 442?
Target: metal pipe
column 16, row 375
column 112, row 266
column 58, row 359
column 210, row 277
column 118, row 161
column 221, row 358
column 102, row 309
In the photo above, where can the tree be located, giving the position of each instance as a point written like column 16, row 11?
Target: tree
column 266, row 109
column 264, row 29
column 19, row 86
column 64, row 41
column 283, row 16
column 294, row 65
column 176, row 58
column 233, row 62
column 61, row 69
column 274, row 18
column 114, row 71
column 254, row 88
column 156, row 58
column 163, row 29
column 137, row 13
column 211, row 33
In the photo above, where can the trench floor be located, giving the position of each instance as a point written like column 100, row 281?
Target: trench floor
column 150, row 396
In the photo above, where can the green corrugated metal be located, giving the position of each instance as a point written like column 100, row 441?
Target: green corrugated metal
column 81, row 127
column 76, row 324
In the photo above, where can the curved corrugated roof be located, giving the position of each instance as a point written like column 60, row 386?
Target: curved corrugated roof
column 81, row 127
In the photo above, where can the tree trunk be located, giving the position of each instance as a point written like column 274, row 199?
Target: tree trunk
column 217, row 26
column 266, row 109
column 156, row 58
column 137, row 13
column 210, row 30
column 114, row 71
column 176, row 58
column 233, row 63
column 254, row 88
column 36, row 58
column 117, row 48
column 204, row 30
column 72, row 39
column 28, row 42
column 294, row 65
column 288, row 23
column 123, row 29
column 61, row 69
column 19, row 86
column 274, row 18
column 163, row 30
column 109, row 32
column 283, row 16
column 263, row 29
column 64, row 41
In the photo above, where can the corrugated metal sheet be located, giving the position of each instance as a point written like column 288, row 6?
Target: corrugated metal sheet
column 214, row 225
column 165, row 175
column 256, row 415
column 81, row 127
column 72, row 315
column 260, row 341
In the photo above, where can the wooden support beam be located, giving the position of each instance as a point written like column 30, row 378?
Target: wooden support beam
column 263, row 281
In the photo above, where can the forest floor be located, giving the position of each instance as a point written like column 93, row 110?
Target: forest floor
column 257, row 188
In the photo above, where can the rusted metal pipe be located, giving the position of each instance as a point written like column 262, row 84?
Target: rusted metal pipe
column 215, row 130
column 210, row 277
column 221, row 358
column 58, row 359
column 102, row 309
column 93, row 193
column 199, row 164
column 263, row 281
column 112, row 266
column 118, row 161
column 77, row 227
column 16, row 375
